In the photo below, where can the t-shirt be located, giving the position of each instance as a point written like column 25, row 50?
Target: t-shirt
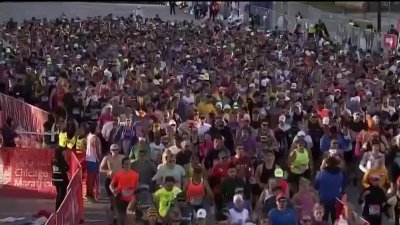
column 177, row 172
column 243, row 166
column 284, row 217
column 166, row 199
column 126, row 183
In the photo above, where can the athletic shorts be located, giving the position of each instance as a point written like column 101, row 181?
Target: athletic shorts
column 92, row 167
column 295, row 178
column 121, row 205
column 348, row 156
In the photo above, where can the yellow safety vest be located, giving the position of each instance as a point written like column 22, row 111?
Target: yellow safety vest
column 71, row 143
column 311, row 30
column 62, row 139
column 80, row 144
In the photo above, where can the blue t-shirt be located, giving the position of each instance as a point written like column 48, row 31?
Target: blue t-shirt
column 285, row 217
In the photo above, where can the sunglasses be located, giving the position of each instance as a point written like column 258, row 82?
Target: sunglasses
column 171, row 161
column 282, row 200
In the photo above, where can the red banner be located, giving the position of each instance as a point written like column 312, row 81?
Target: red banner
column 71, row 209
column 65, row 213
column 390, row 41
column 29, row 117
column 339, row 211
column 75, row 186
column 51, row 220
column 26, row 173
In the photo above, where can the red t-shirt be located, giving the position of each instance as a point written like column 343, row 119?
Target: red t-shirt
column 220, row 170
column 243, row 166
column 105, row 118
column 126, row 183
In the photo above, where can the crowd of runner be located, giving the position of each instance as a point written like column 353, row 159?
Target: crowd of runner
column 212, row 123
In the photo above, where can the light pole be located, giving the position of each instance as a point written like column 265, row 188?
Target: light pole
column 379, row 19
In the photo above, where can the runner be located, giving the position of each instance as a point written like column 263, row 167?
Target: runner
column 165, row 196
column 93, row 156
column 123, row 186
column 111, row 164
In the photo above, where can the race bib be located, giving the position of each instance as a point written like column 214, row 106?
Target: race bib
column 239, row 190
column 196, row 201
column 303, row 168
column 127, row 192
column 56, row 169
column 374, row 209
column 76, row 111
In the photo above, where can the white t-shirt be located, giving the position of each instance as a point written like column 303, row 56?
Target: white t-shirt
column 156, row 151
column 389, row 109
column 236, row 217
column 91, row 153
column 203, row 128
column 188, row 100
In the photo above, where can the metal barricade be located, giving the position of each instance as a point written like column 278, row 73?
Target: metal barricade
column 337, row 24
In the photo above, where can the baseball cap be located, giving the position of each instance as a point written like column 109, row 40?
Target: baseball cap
column 301, row 134
column 278, row 173
column 280, row 196
column 325, row 121
column 201, row 214
column 114, row 147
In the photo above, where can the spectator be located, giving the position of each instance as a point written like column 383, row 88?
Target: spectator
column 9, row 134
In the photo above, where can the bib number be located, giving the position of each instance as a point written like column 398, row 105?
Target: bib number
column 56, row 169
column 127, row 192
column 76, row 111
column 196, row 201
column 374, row 210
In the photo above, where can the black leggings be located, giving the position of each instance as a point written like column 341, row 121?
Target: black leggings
column 330, row 210
column 61, row 189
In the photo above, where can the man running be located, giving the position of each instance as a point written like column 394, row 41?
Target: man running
column 123, row 186
column 110, row 165
column 93, row 156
